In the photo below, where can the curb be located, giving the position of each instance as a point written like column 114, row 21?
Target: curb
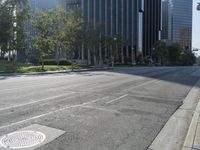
column 53, row 72
column 173, row 134
column 192, row 140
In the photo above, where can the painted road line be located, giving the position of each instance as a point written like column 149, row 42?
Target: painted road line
column 50, row 113
column 116, row 99
column 102, row 109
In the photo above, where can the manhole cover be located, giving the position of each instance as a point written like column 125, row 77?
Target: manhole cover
column 22, row 139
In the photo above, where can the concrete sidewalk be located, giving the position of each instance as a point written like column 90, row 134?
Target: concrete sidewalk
column 192, row 140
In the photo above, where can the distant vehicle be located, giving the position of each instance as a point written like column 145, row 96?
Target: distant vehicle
column 195, row 50
column 198, row 6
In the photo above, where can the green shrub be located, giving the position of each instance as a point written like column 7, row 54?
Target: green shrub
column 62, row 62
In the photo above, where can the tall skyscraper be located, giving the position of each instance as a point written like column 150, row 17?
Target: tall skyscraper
column 152, row 25
column 119, row 17
column 128, row 18
column 178, row 25
column 165, row 16
column 69, row 4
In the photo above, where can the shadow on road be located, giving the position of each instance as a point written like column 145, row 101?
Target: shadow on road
column 181, row 75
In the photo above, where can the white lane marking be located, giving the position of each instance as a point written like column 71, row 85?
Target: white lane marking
column 142, row 84
column 33, row 102
column 51, row 112
column 102, row 109
column 116, row 99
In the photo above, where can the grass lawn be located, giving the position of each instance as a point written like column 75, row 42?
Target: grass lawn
column 21, row 68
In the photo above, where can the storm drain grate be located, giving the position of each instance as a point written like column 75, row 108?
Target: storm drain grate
column 22, row 139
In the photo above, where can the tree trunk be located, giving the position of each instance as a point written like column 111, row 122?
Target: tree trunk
column 72, row 65
column 117, row 53
column 9, row 55
column 122, row 55
column 82, row 53
column 106, row 52
column 132, row 57
column 89, row 57
column 112, row 61
column 42, row 64
column 100, row 56
column 127, row 51
column 58, row 57
column 95, row 60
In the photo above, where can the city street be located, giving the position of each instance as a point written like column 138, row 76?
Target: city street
column 120, row 109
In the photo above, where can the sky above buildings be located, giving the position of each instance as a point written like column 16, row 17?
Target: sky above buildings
column 196, row 26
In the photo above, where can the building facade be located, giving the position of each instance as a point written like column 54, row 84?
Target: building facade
column 152, row 25
column 127, row 18
column 119, row 17
column 165, row 16
column 177, row 19
column 69, row 4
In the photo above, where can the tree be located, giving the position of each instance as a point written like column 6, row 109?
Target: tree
column 73, row 29
column 174, row 52
column 160, row 52
column 14, row 16
column 187, row 58
column 21, row 16
column 198, row 60
column 58, row 35
column 6, row 25
column 43, row 42
column 119, row 42
column 93, row 39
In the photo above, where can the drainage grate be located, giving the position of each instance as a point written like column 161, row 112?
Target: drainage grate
column 22, row 139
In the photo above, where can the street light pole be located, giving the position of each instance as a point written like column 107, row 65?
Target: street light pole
column 113, row 53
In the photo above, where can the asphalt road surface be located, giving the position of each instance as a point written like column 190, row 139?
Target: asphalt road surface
column 121, row 109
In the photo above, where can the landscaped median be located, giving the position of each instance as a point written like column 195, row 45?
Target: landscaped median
column 21, row 68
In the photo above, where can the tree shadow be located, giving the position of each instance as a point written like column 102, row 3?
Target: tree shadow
column 180, row 75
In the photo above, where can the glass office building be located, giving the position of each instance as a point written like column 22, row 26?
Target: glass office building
column 119, row 17
column 165, row 16
column 152, row 25
column 179, row 22
column 124, row 18
column 69, row 4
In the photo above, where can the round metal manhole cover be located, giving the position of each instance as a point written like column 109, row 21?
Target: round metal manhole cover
column 22, row 139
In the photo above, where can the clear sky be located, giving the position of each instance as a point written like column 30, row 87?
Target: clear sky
column 196, row 26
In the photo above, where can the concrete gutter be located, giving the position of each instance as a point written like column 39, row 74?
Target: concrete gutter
column 173, row 134
column 54, row 72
